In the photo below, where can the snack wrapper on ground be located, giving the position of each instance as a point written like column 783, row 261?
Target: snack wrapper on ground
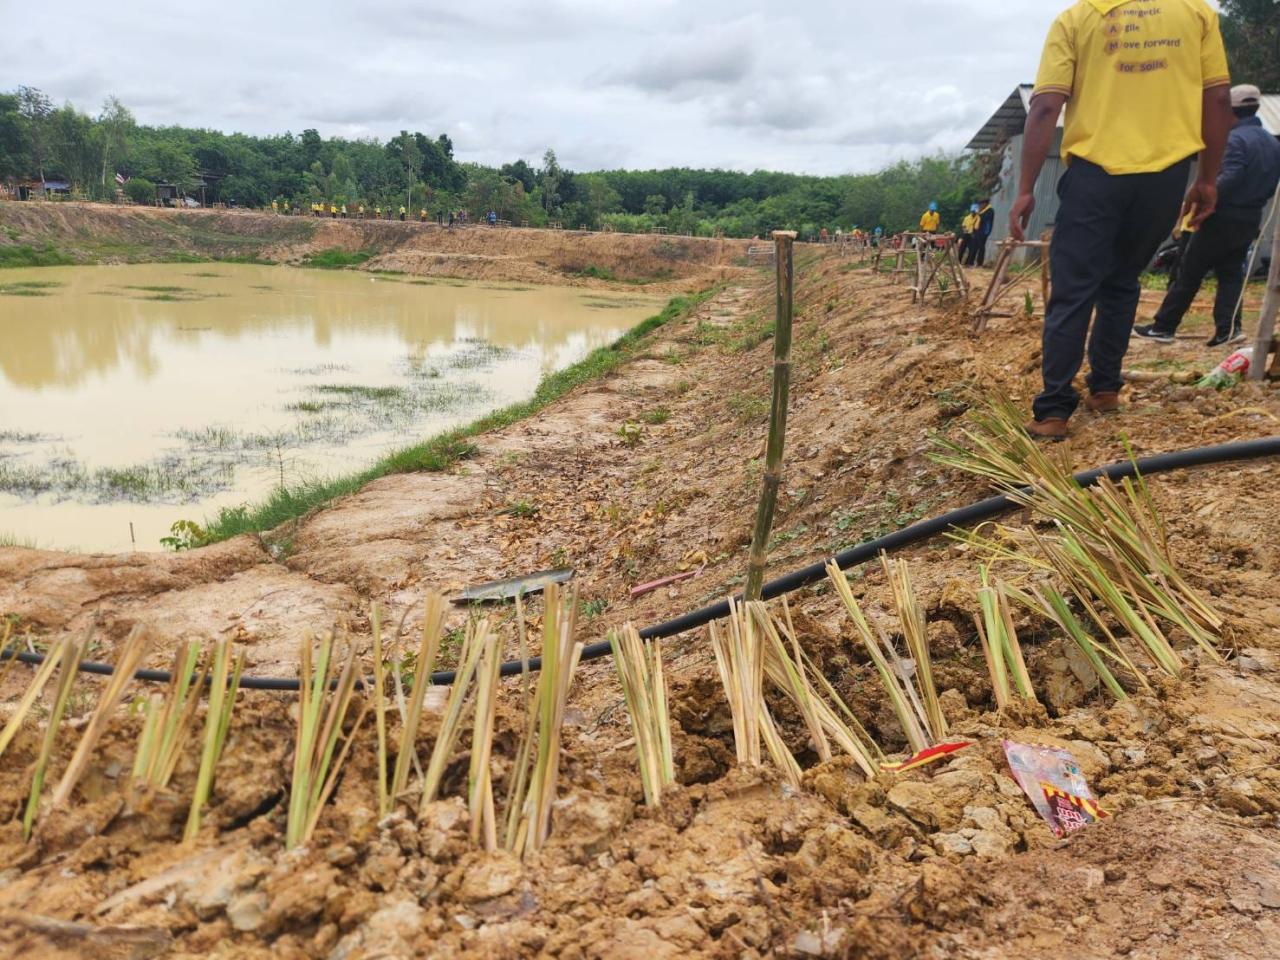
column 1230, row 371
column 1052, row 780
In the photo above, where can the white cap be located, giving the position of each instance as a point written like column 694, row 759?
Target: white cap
column 1245, row 95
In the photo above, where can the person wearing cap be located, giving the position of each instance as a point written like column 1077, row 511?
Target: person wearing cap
column 930, row 221
column 1146, row 88
column 986, row 223
column 1247, row 181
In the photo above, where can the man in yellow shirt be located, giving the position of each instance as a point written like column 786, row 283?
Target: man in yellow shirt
column 1146, row 88
column 930, row 221
column 968, row 227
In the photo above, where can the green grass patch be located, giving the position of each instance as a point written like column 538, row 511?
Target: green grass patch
column 599, row 273
column 443, row 451
column 23, row 255
column 28, row 288
column 336, row 259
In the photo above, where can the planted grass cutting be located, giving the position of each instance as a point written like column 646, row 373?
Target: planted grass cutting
column 116, row 409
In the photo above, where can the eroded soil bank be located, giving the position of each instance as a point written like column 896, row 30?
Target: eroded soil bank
column 97, row 233
column 949, row 861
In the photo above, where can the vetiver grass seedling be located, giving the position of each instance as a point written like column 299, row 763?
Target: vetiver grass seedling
column 223, row 684
column 167, row 720
column 323, row 705
column 639, row 669
column 915, row 631
column 1000, row 644
column 69, row 657
column 411, row 714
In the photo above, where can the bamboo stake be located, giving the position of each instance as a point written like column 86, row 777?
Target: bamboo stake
column 1270, row 307
column 784, row 241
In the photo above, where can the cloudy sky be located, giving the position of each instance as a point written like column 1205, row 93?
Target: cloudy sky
column 822, row 86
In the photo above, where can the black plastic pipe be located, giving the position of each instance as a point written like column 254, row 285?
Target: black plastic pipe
column 898, row 540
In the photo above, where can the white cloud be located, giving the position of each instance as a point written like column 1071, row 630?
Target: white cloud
column 823, row 86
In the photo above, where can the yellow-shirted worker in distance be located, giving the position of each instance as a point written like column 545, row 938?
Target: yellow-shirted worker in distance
column 377, row 213
column 1146, row 88
column 402, row 213
column 360, row 211
column 275, row 207
column 931, row 220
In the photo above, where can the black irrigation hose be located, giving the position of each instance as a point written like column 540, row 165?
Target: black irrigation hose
column 907, row 536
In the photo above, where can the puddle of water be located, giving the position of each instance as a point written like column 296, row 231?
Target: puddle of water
column 143, row 394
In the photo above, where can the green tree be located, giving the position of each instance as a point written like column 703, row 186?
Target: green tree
column 1251, row 31
column 140, row 190
column 116, row 125
column 36, row 109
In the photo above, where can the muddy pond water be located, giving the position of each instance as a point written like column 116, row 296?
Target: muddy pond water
column 149, row 393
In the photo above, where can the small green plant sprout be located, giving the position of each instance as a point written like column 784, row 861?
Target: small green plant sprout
column 1000, row 644
column 537, row 774
column 1028, row 304
column 167, row 721
column 70, row 654
column 184, row 535
column 644, row 688
column 906, row 706
column 323, row 707
column 657, row 416
column 631, row 434
column 224, row 682
column 131, row 654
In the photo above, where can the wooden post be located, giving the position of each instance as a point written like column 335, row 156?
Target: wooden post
column 783, row 240
column 1270, row 306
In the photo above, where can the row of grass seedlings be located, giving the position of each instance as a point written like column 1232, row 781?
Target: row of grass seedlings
column 484, row 822
column 639, row 668
column 324, row 702
column 561, row 652
column 906, row 706
column 740, row 661
column 788, row 668
column 411, row 712
column 1048, row 602
column 131, row 654
column 1117, row 529
column 1000, row 644
column 71, row 652
column 35, row 686
column 915, row 631
column 460, row 700
column 224, row 683
column 167, row 720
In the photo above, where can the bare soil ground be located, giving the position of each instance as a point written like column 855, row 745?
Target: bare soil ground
column 949, row 861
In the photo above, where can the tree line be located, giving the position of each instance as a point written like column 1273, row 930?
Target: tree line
column 41, row 142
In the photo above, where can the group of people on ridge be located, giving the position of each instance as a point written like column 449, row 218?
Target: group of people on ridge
column 975, row 230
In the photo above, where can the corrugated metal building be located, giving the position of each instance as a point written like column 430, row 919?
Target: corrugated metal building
column 1003, row 133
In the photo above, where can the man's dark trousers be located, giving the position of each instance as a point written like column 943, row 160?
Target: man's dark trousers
column 1108, row 229
column 1221, row 245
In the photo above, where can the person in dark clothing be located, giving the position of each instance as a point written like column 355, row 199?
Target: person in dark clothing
column 986, row 223
column 1250, row 172
column 1131, row 129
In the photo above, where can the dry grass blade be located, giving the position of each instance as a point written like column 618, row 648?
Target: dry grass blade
column 915, row 631
column 131, row 654
column 484, row 826
column 424, row 664
column 561, row 652
column 639, row 669
column 740, row 661
column 323, row 707
column 69, row 657
column 907, row 710
column 39, row 680
column 224, row 682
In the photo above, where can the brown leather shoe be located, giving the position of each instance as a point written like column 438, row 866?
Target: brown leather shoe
column 1106, row 402
column 1050, row 428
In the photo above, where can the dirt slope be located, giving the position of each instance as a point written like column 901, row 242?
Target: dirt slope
column 101, row 233
column 945, row 862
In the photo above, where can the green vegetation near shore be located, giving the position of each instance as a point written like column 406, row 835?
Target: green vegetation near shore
column 443, row 451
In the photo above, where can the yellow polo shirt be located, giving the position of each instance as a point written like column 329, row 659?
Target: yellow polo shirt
column 1135, row 72
column 930, row 221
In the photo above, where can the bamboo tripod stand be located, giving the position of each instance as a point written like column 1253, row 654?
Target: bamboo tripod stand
column 936, row 258
column 1001, row 284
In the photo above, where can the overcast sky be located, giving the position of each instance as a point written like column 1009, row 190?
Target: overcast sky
column 820, row 86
